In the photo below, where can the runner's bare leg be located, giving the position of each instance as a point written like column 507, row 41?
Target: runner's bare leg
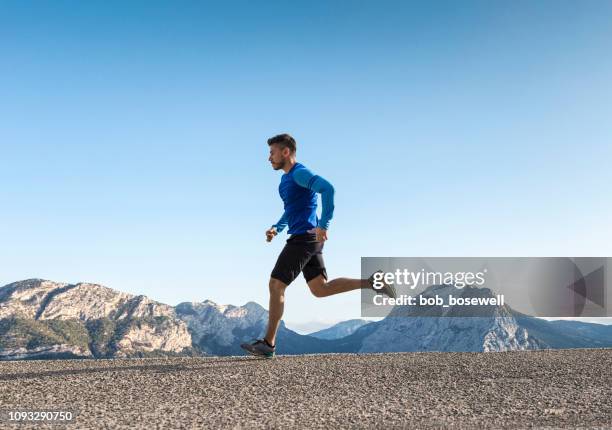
column 277, row 306
column 320, row 287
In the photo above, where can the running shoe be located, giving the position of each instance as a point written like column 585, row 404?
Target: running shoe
column 259, row 348
column 386, row 289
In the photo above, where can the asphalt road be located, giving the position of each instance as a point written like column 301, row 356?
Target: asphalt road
column 556, row 389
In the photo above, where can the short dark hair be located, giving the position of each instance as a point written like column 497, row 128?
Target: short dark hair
column 285, row 141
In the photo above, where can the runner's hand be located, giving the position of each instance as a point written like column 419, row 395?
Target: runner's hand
column 270, row 233
column 321, row 234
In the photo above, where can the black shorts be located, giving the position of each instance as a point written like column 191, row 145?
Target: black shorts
column 302, row 253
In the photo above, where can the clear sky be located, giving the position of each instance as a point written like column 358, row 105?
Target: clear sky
column 133, row 137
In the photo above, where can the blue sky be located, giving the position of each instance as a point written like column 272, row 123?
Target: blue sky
column 134, row 152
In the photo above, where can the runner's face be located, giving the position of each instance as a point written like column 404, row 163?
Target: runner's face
column 278, row 156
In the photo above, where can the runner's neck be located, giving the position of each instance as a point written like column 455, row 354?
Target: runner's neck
column 287, row 168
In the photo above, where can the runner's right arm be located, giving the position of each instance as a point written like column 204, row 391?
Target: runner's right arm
column 277, row 228
column 281, row 224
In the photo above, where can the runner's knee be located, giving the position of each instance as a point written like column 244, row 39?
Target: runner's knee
column 318, row 291
column 317, row 286
column 276, row 286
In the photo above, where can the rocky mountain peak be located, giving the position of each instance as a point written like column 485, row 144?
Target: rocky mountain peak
column 100, row 320
column 434, row 328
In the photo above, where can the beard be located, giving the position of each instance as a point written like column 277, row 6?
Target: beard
column 280, row 165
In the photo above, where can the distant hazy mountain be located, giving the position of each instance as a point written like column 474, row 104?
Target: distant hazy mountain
column 596, row 332
column 45, row 319
column 342, row 329
column 567, row 334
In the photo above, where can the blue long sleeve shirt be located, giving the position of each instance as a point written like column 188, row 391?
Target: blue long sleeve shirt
column 298, row 189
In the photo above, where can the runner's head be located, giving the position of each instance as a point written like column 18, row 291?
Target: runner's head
column 282, row 150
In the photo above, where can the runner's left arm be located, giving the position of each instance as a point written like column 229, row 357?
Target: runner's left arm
column 316, row 183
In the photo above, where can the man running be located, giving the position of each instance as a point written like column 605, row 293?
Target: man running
column 303, row 252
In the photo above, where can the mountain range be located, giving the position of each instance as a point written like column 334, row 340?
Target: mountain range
column 46, row 319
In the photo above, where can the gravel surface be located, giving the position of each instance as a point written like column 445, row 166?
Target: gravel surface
column 523, row 389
